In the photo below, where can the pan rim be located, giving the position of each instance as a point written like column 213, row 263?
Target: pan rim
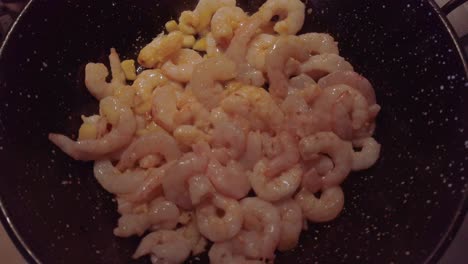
column 433, row 257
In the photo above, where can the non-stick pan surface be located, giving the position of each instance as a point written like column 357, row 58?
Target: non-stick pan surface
column 403, row 210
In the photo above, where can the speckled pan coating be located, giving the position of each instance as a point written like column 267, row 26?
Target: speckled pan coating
column 400, row 211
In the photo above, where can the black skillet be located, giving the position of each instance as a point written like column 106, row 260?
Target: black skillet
column 403, row 210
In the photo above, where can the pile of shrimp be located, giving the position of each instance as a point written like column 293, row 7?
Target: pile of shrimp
column 237, row 144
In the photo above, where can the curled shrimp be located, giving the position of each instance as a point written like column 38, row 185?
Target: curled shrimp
column 330, row 144
column 315, row 170
column 291, row 223
column 191, row 233
column 322, row 209
column 320, row 43
column 230, row 137
column 261, row 229
column 145, row 83
column 320, row 65
column 165, row 246
column 175, row 182
column 164, row 106
column 96, row 74
column 158, row 142
column 200, row 188
column 205, row 10
column 113, row 181
column 290, row 12
column 277, row 188
column 368, row 155
column 284, row 49
column 120, row 136
column 256, row 105
column 253, row 150
column 179, row 67
column 288, row 157
column 204, row 85
column 151, row 187
column 224, row 23
column 258, row 49
column 238, row 47
column 351, row 79
column 189, row 135
column 230, row 180
column 215, row 227
column 161, row 214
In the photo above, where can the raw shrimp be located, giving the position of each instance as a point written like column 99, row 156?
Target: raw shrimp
column 230, row 137
column 351, row 79
column 330, row 144
column 230, row 180
column 161, row 214
column 199, row 188
column 261, row 229
column 277, row 188
column 320, row 65
column 253, row 150
column 158, row 142
column 320, row 43
column 96, row 74
column 165, row 246
column 289, row 155
column 164, row 106
column 176, row 177
column 291, row 223
column 95, row 149
column 204, row 85
column 180, row 66
column 224, row 23
column 368, row 155
column 290, row 12
column 217, row 227
column 113, row 181
column 258, row 49
column 284, row 49
column 322, row 209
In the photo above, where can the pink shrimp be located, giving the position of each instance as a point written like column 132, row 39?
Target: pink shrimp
column 368, row 155
column 158, row 142
column 323, row 209
column 176, row 177
column 161, row 214
column 95, row 149
column 96, row 74
column 330, row 144
column 289, row 155
column 230, row 180
column 351, row 79
column 205, row 76
column 284, row 49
